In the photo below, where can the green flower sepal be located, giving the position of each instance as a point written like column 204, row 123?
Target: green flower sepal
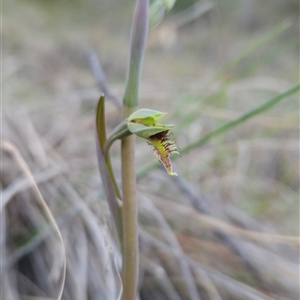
column 143, row 123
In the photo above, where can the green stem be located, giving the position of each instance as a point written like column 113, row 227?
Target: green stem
column 118, row 133
column 137, row 50
column 130, row 101
column 130, row 223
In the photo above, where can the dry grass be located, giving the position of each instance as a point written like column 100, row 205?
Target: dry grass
column 226, row 228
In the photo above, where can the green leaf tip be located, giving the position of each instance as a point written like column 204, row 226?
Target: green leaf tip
column 157, row 11
column 143, row 123
column 146, row 113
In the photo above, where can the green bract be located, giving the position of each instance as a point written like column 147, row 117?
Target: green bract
column 146, row 113
column 143, row 123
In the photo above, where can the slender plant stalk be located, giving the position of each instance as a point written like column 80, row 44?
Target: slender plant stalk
column 137, row 49
column 130, row 101
column 130, row 224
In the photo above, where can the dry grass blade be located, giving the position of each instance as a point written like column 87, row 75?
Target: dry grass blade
column 100, row 77
column 207, row 283
column 78, row 260
column 40, row 237
column 7, row 146
column 160, row 274
column 169, row 235
column 102, row 241
column 7, row 281
column 22, row 184
column 233, row 287
column 281, row 275
column 213, row 223
column 254, row 263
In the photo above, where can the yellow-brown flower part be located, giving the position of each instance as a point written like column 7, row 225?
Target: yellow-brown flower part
column 144, row 124
column 163, row 147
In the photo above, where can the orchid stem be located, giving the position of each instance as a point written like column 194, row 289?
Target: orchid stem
column 130, row 249
column 130, row 224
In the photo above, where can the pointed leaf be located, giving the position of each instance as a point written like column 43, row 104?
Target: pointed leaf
column 106, row 172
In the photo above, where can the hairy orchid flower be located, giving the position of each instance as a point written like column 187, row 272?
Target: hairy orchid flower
column 144, row 124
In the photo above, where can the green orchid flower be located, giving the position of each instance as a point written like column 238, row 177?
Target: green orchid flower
column 143, row 123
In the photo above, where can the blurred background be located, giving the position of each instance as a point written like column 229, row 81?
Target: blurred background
column 228, row 226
